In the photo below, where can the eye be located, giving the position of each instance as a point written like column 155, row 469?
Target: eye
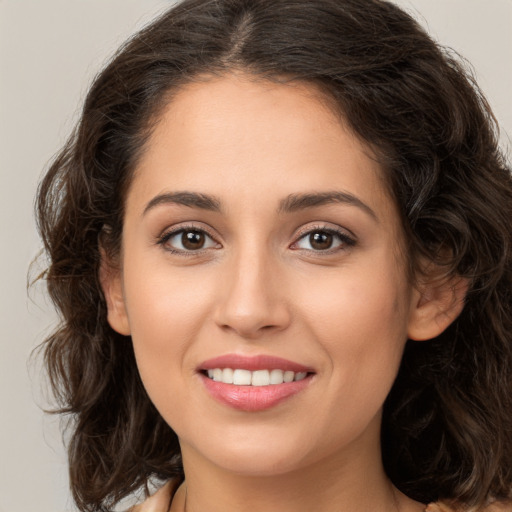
column 319, row 240
column 187, row 240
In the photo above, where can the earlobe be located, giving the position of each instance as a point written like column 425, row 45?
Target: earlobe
column 111, row 284
column 435, row 305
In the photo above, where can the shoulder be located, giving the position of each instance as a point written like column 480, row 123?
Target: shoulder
column 158, row 502
column 498, row 506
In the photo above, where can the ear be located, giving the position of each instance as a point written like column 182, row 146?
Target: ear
column 437, row 302
column 110, row 277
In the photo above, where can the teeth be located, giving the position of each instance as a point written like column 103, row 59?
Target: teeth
column 241, row 377
column 227, row 376
column 276, row 377
column 260, row 378
column 288, row 376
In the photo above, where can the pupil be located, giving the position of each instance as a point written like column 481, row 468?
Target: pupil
column 320, row 240
column 192, row 239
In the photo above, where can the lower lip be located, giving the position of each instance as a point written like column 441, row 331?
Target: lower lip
column 253, row 398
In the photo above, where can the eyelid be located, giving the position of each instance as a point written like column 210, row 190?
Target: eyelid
column 324, row 226
column 169, row 233
column 347, row 238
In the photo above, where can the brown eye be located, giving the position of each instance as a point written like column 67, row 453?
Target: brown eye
column 192, row 240
column 187, row 240
column 324, row 240
column 320, row 240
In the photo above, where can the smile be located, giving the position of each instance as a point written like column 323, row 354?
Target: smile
column 253, row 383
column 240, row 377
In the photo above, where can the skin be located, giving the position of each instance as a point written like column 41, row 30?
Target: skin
column 258, row 286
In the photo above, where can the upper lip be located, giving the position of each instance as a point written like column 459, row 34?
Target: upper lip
column 253, row 363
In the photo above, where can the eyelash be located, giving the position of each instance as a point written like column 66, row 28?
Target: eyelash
column 346, row 241
column 166, row 236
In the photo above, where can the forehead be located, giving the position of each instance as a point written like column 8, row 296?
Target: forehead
column 238, row 118
column 255, row 141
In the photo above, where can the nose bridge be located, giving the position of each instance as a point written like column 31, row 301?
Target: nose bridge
column 253, row 302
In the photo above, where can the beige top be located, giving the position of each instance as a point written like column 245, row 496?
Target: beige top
column 495, row 507
column 161, row 500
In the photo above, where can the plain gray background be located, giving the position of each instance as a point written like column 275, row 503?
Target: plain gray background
column 49, row 52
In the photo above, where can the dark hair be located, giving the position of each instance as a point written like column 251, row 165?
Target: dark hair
column 447, row 426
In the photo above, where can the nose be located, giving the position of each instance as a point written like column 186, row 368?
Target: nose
column 253, row 300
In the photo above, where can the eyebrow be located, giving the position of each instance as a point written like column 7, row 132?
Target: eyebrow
column 292, row 203
column 296, row 202
column 191, row 199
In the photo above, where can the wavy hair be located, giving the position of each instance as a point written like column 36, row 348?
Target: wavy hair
column 447, row 424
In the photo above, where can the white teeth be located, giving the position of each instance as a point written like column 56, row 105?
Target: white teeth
column 257, row 378
column 288, row 376
column 276, row 377
column 260, row 378
column 227, row 376
column 242, row 377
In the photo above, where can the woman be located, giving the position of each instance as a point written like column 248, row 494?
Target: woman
column 280, row 242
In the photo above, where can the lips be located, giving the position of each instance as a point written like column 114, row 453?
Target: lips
column 253, row 363
column 253, row 383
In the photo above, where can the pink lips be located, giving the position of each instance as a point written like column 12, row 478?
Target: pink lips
column 253, row 363
column 253, row 398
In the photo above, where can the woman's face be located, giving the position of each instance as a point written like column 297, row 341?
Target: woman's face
column 259, row 237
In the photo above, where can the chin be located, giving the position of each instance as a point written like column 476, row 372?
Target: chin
column 257, row 452
column 261, row 465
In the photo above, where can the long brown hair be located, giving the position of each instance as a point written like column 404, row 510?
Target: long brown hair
column 447, row 426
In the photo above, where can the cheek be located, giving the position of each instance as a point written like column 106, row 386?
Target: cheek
column 166, row 310
column 360, row 320
column 360, row 326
